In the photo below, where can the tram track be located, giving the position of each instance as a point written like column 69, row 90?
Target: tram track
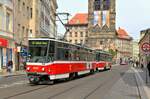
column 26, row 92
column 89, row 80
column 43, row 87
column 81, row 84
column 69, row 89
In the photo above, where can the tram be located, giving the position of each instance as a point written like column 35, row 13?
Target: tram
column 51, row 60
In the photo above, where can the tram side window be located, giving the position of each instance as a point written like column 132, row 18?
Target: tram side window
column 62, row 54
column 51, row 51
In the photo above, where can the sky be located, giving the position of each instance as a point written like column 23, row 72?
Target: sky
column 131, row 15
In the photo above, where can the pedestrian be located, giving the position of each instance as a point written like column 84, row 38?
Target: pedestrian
column 148, row 67
column 9, row 66
column 137, row 63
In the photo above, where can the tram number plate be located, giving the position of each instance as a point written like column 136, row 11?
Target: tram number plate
column 35, row 68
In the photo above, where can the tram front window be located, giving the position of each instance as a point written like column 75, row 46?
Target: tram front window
column 37, row 54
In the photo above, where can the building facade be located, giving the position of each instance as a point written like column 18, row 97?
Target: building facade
column 123, row 46
column 77, row 29
column 32, row 18
column 135, row 50
column 101, row 24
column 23, row 13
column 6, row 33
column 144, row 47
column 47, row 16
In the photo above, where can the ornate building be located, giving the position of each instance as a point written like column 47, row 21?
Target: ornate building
column 101, row 24
column 78, row 29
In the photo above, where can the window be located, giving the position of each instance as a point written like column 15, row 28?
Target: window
column 76, row 34
column 1, row 18
column 86, row 41
column 70, row 41
column 76, row 41
column 23, row 8
column 7, row 21
column 23, row 31
column 28, row 13
column 81, row 34
column 70, row 34
column 19, row 5
column 18, row 28
column 106, row 4
column 27, row 30
column 86, row 35
column 81, row 41
column 30, row 33
column 31, row 13
column 101, row 42
column 97, row 5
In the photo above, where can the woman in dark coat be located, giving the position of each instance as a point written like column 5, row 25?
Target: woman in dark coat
column 9, row 66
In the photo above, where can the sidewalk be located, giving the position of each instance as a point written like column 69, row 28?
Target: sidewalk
column 15, row 73
column 141, row 78
column 125, row 87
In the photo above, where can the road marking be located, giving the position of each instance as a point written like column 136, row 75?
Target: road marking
column 13, row 84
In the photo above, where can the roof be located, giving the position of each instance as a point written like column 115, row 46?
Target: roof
column 122, row 34
column 79, row 18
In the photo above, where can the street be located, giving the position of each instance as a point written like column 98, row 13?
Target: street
column 118, row 83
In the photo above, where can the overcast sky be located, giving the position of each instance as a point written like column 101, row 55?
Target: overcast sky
column 132, row 15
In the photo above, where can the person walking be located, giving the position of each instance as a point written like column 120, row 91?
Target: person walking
column 9, row 66
column 148, row 67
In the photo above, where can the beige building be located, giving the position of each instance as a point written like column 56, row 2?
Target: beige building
column 77, row 29
column 6, row 33
column 144, row 47
column 32, row 18
column 23, row 13
column 135, row 51
column 123, row 45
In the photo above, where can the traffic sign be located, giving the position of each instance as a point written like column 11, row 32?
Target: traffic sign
column 146, row 47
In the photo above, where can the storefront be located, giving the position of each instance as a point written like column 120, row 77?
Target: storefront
column 3, row 52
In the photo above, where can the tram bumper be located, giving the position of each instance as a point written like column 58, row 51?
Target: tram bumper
column 34, row 79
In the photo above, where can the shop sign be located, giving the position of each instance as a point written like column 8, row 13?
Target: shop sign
column 3, row 42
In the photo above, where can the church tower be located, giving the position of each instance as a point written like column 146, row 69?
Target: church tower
column 101, row 24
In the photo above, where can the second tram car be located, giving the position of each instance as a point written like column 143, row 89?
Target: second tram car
column 50, row 60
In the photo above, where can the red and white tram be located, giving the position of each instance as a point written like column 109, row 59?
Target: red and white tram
column 52, row 59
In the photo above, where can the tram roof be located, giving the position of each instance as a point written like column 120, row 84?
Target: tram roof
column 52, row 39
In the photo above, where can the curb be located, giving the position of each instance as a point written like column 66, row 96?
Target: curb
column 10, row 75
column 144, row 91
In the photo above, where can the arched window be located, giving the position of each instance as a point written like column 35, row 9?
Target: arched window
column 97, row 5
column 106, row 4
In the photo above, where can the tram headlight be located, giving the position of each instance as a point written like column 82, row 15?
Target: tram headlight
column 43, row 69
column 28, row 68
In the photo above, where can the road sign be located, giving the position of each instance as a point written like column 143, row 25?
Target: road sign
column 146, row 47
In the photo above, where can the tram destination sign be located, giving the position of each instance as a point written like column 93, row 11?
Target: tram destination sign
column 38, row 43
